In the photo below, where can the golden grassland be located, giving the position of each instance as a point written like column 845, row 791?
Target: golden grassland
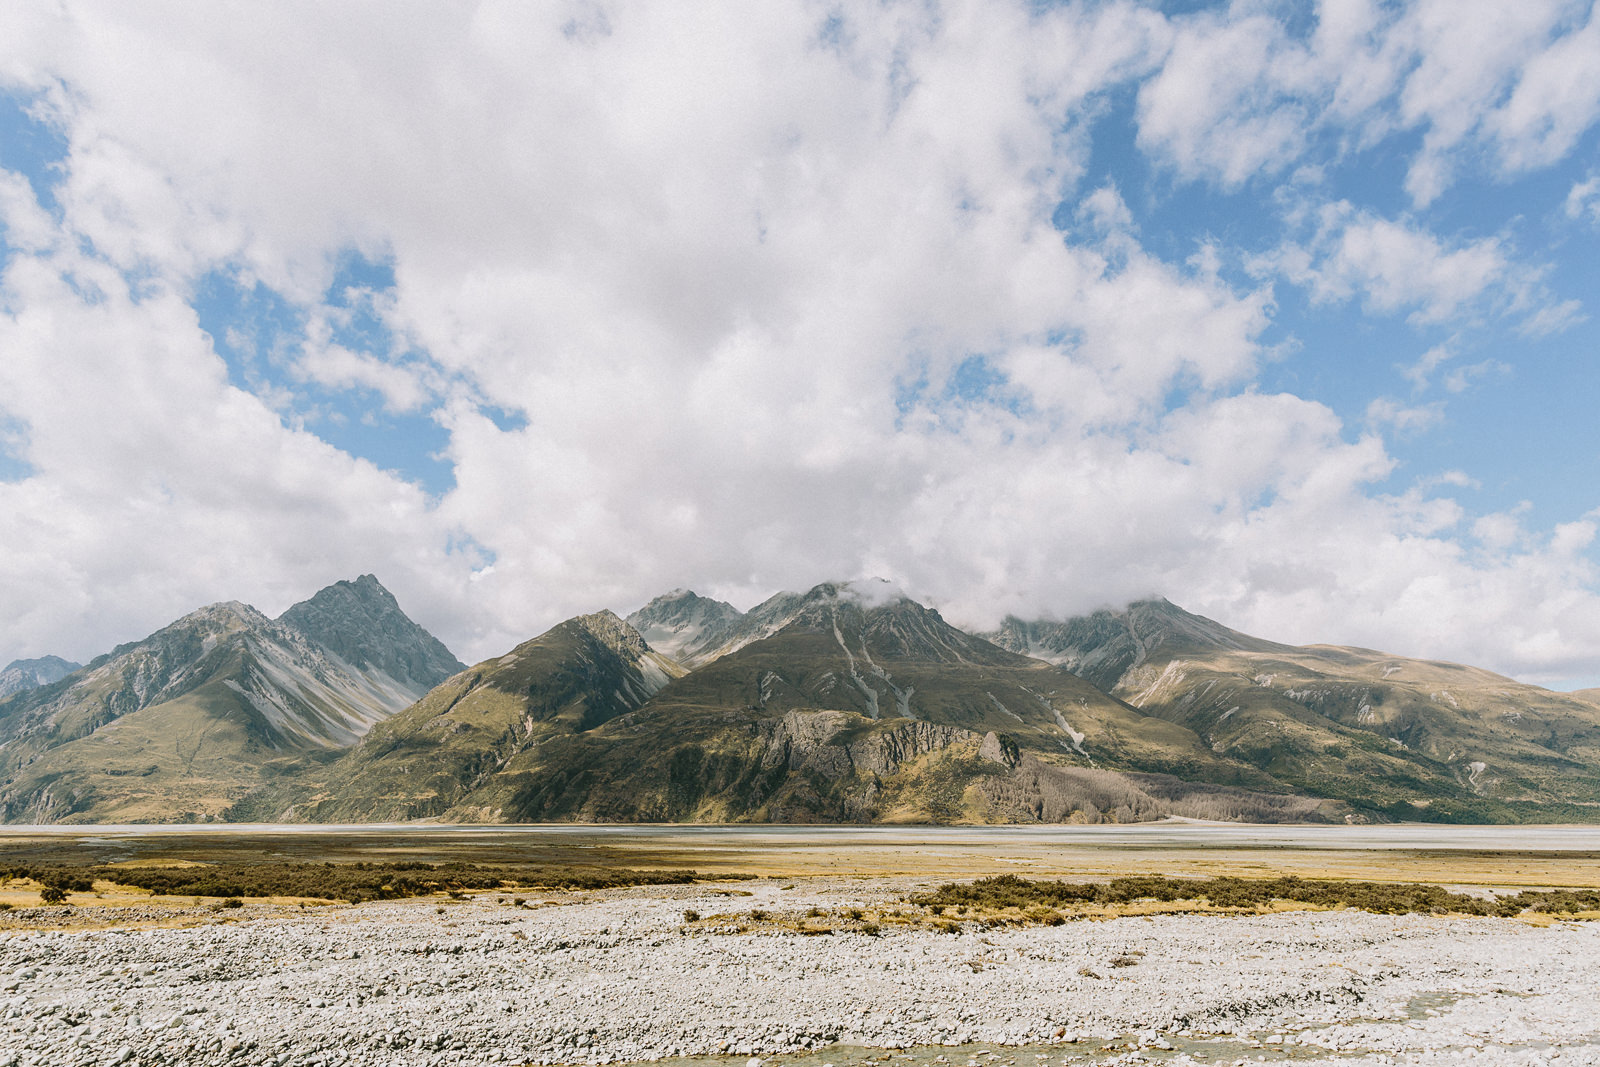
column 669, row 854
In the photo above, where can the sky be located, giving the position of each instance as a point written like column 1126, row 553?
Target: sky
column 1284, row 311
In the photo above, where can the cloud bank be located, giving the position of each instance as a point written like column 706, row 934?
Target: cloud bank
column 744, row 298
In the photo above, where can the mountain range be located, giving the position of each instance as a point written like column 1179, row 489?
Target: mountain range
column 845, row 703
column 185, row 722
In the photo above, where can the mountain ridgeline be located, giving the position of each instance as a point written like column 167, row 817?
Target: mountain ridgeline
column 846, row 703
column 182, row 724
column 24, row 674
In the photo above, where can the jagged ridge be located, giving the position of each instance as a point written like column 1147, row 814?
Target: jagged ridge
column 185, row 720
column 23, row 674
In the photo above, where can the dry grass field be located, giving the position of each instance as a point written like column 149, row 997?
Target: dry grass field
column 288, row 862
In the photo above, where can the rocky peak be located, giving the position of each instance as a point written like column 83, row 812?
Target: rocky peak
column 24, row 674
column 185, row 641
column 1104, row 645
column 614, row 634
column 875, row 617
column 224, row 617
column 362, row 624
column 684, row 625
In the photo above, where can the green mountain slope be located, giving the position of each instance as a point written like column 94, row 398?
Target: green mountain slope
column 852, row 708
column 1394, row 738
column 436, row 756
column 848, row 702
column 184, row 722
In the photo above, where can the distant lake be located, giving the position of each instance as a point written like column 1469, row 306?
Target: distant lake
column 1162, row 835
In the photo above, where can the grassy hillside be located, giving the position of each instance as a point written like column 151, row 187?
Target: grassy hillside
column 1394, row 738
column 184, row 760
column 432, row 758
column 846, row 713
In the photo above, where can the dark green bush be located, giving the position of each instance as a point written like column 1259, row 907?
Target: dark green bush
column 1388, row 898
column 352, row 882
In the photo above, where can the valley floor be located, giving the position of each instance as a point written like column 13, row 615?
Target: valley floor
column 620, row 975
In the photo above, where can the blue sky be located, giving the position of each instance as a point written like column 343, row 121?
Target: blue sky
column 260, row 335
column 1284, row 311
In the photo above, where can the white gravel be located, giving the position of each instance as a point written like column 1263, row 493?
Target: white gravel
column 608, row 977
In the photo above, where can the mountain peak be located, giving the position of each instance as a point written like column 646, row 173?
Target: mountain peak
column 614, row 633
column 207, row 625
column 871, row 617
column 22, row 674
column 866, row 593
column 685, row 625
column 1104, row 645
column 361, row 623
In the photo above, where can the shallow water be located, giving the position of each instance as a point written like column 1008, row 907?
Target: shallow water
column 1166, row 834
column 1276, row 1046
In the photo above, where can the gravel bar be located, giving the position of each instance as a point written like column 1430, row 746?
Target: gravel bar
column 618, row 976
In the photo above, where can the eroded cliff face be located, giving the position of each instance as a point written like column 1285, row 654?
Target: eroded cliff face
column 814, row 740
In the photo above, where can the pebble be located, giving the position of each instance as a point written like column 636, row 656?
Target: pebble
column 621, row 979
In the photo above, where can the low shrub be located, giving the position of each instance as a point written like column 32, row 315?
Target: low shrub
column 1008, row 891
column 353, row 882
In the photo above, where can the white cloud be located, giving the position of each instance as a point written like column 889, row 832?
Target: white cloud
column 1220, row 106
column 1583, row 200
column 1557, row 97
column 1385, row 412
column 1550, row 316
column 1420, row 373
column 1455, row 478
column 1238, row 97
column 406, row 385
column 1399, row 266
column 1502, row 530
column 402, row 387
column 156, row 486
column 1461, row 377
column 728, row 270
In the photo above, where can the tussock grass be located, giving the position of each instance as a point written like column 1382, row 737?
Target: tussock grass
column 1007, row 897
column 353, row 882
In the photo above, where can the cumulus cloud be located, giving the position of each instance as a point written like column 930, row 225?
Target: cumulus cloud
column 735, row 297
column 1398, row 266
column 155, row 485
column 1238, row 96
column 1385, row 412
column 1583, row 200
column 1556, row 97
column 1223, row 104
